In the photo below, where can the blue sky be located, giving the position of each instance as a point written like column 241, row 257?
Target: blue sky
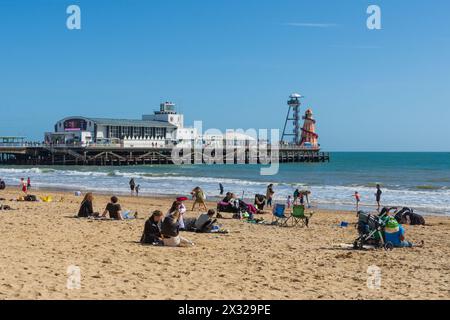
column 232, row 64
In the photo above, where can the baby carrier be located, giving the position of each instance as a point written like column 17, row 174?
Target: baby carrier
column 371, row 231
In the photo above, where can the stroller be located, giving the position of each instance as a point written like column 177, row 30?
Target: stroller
column 371, row 231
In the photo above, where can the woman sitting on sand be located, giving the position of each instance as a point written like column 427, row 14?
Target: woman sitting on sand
column 114, row 209
column 86, row 208
column 170, row 230
column 152, row 229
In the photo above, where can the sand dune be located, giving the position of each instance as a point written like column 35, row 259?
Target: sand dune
column 40, row 240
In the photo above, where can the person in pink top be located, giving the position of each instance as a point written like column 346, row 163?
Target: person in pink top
column 23, row 185
column 358, row 200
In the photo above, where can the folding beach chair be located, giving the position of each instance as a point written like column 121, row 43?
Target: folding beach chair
column 299, row 216
column 278, row 217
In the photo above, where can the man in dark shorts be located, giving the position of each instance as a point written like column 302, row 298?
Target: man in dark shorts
column 378, row 196
column 114, row 209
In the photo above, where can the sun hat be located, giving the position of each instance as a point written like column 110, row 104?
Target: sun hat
column 392, row 226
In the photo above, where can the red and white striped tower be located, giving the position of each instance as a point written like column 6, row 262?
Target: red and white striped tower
column 309, row 138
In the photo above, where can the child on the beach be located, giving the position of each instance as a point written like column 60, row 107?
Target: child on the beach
column 137, row 189
column 23, row 185
column 357, row 199
column 289, row 202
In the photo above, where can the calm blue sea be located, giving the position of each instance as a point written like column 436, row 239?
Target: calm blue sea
column 418, row 180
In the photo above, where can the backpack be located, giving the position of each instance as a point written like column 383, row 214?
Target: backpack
column 407, row 216
column 30, row 197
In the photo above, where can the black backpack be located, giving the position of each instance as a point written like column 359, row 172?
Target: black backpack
column 407, row 215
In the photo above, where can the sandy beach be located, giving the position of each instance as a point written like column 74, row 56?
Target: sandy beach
column 41, row 240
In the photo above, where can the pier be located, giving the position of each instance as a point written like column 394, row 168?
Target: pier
column 109, row 155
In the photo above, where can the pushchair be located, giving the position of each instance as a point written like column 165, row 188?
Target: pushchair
column 371, row 231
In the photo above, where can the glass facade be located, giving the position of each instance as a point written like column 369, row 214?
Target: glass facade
column 142, row 132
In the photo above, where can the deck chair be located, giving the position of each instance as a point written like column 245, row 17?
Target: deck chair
column 299, row 216
column 278, row 217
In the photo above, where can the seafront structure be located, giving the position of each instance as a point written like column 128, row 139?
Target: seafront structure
column 152, row 140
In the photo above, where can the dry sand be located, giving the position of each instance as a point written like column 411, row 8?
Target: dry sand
column 40, row 240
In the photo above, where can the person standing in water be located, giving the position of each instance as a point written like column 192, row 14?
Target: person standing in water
column 378, row 197
column 221, row 189
column 137, row 188
column 269, row 195
column 28, row 183
column 358, row 200
column 132, row 185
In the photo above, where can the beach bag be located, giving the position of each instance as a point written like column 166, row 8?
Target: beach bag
column 30, row 197
column 407, row 216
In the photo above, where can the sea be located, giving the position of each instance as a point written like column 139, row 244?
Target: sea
column 417, row 180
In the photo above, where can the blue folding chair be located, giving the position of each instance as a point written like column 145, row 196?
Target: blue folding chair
column 278, row 216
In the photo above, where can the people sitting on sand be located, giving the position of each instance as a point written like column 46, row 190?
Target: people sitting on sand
column 199, row 198
column 178, row 205
column 114, row 209
column 170, row 230
column 87, row 208
column 205, row 222
column 260, row 201
column 395, row 233
column 2, row 185
column 152, row 229
column 239, row 205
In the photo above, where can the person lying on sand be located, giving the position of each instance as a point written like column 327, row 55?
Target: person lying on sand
column 170, row 230
column 114, row 209
column 87, row 208
column 152, row 229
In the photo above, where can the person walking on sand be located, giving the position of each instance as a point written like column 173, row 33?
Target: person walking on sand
column 132, row 185
column 358, row 200
column 269, row 195
column 23, row 185
column 289, row 202
column 199, row 198
column 378, row 197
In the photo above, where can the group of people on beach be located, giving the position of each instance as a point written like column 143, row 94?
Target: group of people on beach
column 159, row 229
column 134, row 188
column 378, row 194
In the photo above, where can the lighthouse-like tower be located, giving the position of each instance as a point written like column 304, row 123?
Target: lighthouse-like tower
column 294, row 108
column 309, row 137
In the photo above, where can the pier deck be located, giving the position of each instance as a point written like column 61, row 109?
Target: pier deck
column 118, row 156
